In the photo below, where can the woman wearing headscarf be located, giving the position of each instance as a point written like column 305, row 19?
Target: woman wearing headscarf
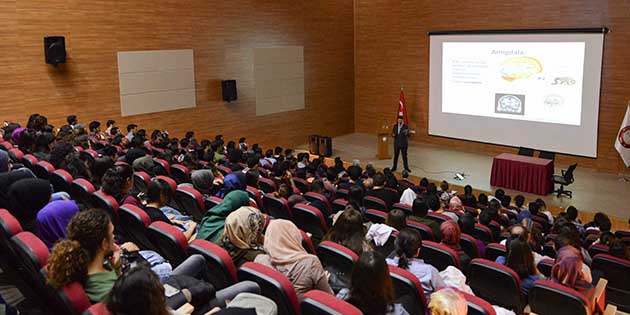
column 231, row 182
column 283, row 245
column 451, row 235
column 567, row 271
column 202, row 180
column 26, row 197
column 53, row 219
column 455, row 205
column 243, row 236
column 213, row 222
column 144, row 164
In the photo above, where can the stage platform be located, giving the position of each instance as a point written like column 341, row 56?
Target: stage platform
column 592, row 191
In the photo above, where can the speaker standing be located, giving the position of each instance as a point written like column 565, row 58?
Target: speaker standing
column 401, row 132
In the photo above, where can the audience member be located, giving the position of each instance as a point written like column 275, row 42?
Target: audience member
column 53, row 219
column 213, row 222
column 243, row 234
column 420, row 211
column 348, row 230
column 567, row 271
column 397, row 219
column 159, row 195
column 389, row 196
column 619, row 249
column 448, row 302
column 451, row 236
column 520, row 258
column 468, row 199
column 118, row 182
column 25, row 199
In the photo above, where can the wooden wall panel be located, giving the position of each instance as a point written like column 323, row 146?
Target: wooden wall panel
column 392, row 48
column 221, row 33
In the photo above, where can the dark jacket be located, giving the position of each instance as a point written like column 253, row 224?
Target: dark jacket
column 400, row 138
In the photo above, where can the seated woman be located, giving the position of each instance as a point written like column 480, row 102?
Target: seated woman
column 619, row 249
column 118, row 182
column 467, row 222
column 520, row 258
column 451, row 236
column 448, row 302
column 53, row 219
column 243, row 237
column 408, row 245
column 213, row 222
column 25, row 198
column 283, row 245
column 371, row 289
column 158, row 195
column 567, row 271
column 203, row 180
column 348, row 230
column 232, row 182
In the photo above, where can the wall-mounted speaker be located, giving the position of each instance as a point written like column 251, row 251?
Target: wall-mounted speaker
column 228, row 88
column 55, row 49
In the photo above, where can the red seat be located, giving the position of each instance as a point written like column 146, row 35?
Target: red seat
column 191, row 202
column 439, row 256
column 273, row 285
column 483, row 233
column 254, row 193
column 622, row 234
column 212, row 202
column 107, row 203
column 29, row 160
column 339, row 205
column 121, row 163
column 375, row 216
column 342, row 194
column 170, row 242
column 221, row 269
column 317, row 302
column 545, row 266
column 307, row 243
column 404, row 207
column 408, row 285
column 301, row 185
column 337, row 256
column 497, row 284
column 598, row 249
column 61, row 180
column 276, row 207
column 43, row 169
column 180, row 173
column 224, row 169
column 171, row 182
column 311, row 196
column 164, row 165
column 81, row 190
column 16, row 155
column 438, row 217
column 141, row 181
column 133, row 223
column 494, row 250
column 9, row 225
column 478, row 306
column 92, row 153
column 311, row 220
column 372, row 202
column 97, row 309
column 616, row 270
column 469, row 245
column 548, row 297
column 425, row 231
column 267, row 185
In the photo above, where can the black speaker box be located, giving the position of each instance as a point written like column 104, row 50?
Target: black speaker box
column 228, row 88
column 313, row 144
column 325, row 146
column 55, row 49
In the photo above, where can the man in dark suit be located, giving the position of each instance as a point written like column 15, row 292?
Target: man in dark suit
column 400, row 132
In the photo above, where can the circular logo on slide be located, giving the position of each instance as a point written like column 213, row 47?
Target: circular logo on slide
column 509, row 104
column 624, row 137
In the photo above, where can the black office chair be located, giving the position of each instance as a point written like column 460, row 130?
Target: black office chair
column 564, row 180
column 547, row 155
column 525, row 151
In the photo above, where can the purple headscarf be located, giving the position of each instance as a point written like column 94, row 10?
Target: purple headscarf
column 232, row 181
column 15, row 136
column 53, row 219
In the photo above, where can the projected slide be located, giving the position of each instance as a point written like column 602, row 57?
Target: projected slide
column 532, row 81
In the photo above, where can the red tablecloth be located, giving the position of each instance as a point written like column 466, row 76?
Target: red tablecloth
column 522, row 173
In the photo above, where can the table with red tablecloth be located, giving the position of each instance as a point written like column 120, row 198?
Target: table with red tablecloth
column 522, row 173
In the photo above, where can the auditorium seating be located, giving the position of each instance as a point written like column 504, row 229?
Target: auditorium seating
column 273, row 285
column 211, row 202
column 617, row 272
column 483, row 233
column 469, row 246
column 375, row 216
column 438, row 217
column 404, row 207
column 439, row 256
column 133, row 224
column 425, row 230
column 81, row 191
column 311, row 196
column 320, row 303
column 302, row 185
column 548, row 297
column 170, row 242
column 497, row 284
column 276, row 207
column 141, row 181
column 311, row 220
column 376, row 203
column 43, row 169
column 338, row 205
column 267, row 185
column 180, row 173
column 494, row 250
column 190, row 201
column 254, row 193
column 544, row 266
column 408, row 289
column 478, row 306
column 337, row 256
column 61, row 180
column 221, row 269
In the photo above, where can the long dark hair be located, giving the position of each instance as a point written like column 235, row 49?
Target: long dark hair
column 348, row 231
column 372, row 289
column 115, row 180
column 520, row 258
column 138, row 291
column 355, row 196
column 407, row 243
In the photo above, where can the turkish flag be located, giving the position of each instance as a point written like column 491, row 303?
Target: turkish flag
column 622, row 143
column 402, row 108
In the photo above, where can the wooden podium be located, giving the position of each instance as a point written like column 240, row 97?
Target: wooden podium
column 382, row 144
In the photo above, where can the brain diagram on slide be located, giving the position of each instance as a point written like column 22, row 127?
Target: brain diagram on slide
column 533, row 81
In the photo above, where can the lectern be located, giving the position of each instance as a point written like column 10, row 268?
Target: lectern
column 382, row 145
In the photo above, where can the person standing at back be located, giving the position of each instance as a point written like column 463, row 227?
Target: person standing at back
column 400, row 132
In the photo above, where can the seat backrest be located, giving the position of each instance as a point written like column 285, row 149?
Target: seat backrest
column 310, row 219
column 494, row 250
column 164, row 164
column 337, row 256
column 276, row 207
column 81, row 190
column 97, row 309
column 190, row 201
column 107, row 203
column 548, row 297
column 497, row 284
column 16, row 155
column 141, row 181
column 43, row 169
column 478, row 306
column 483, row 233
column 301, row 185
column 171, row 182
column 307, row 243
column 341, row 194
column 408, row 285
column 439, row 256
column 9, row 225
column 438, row 217
column 317, row 302
column 568, row 175
column 404, row 207
column 544, row 266
column 212, row 201
column 598, row 249
column 425, row 231
column 221, row 269
column 469, row 245
column 73, row 296
column 29, row 160
column 224, row 169
column 267, row 185
column 375, row 216
column 133, row 223
column 339, row 205
column 61, row 180
column 170, row 242
column 273, row 285
column 254, row 193
column 549, row 249
column 372, row 202
column 180, row 173
column 616, row 270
